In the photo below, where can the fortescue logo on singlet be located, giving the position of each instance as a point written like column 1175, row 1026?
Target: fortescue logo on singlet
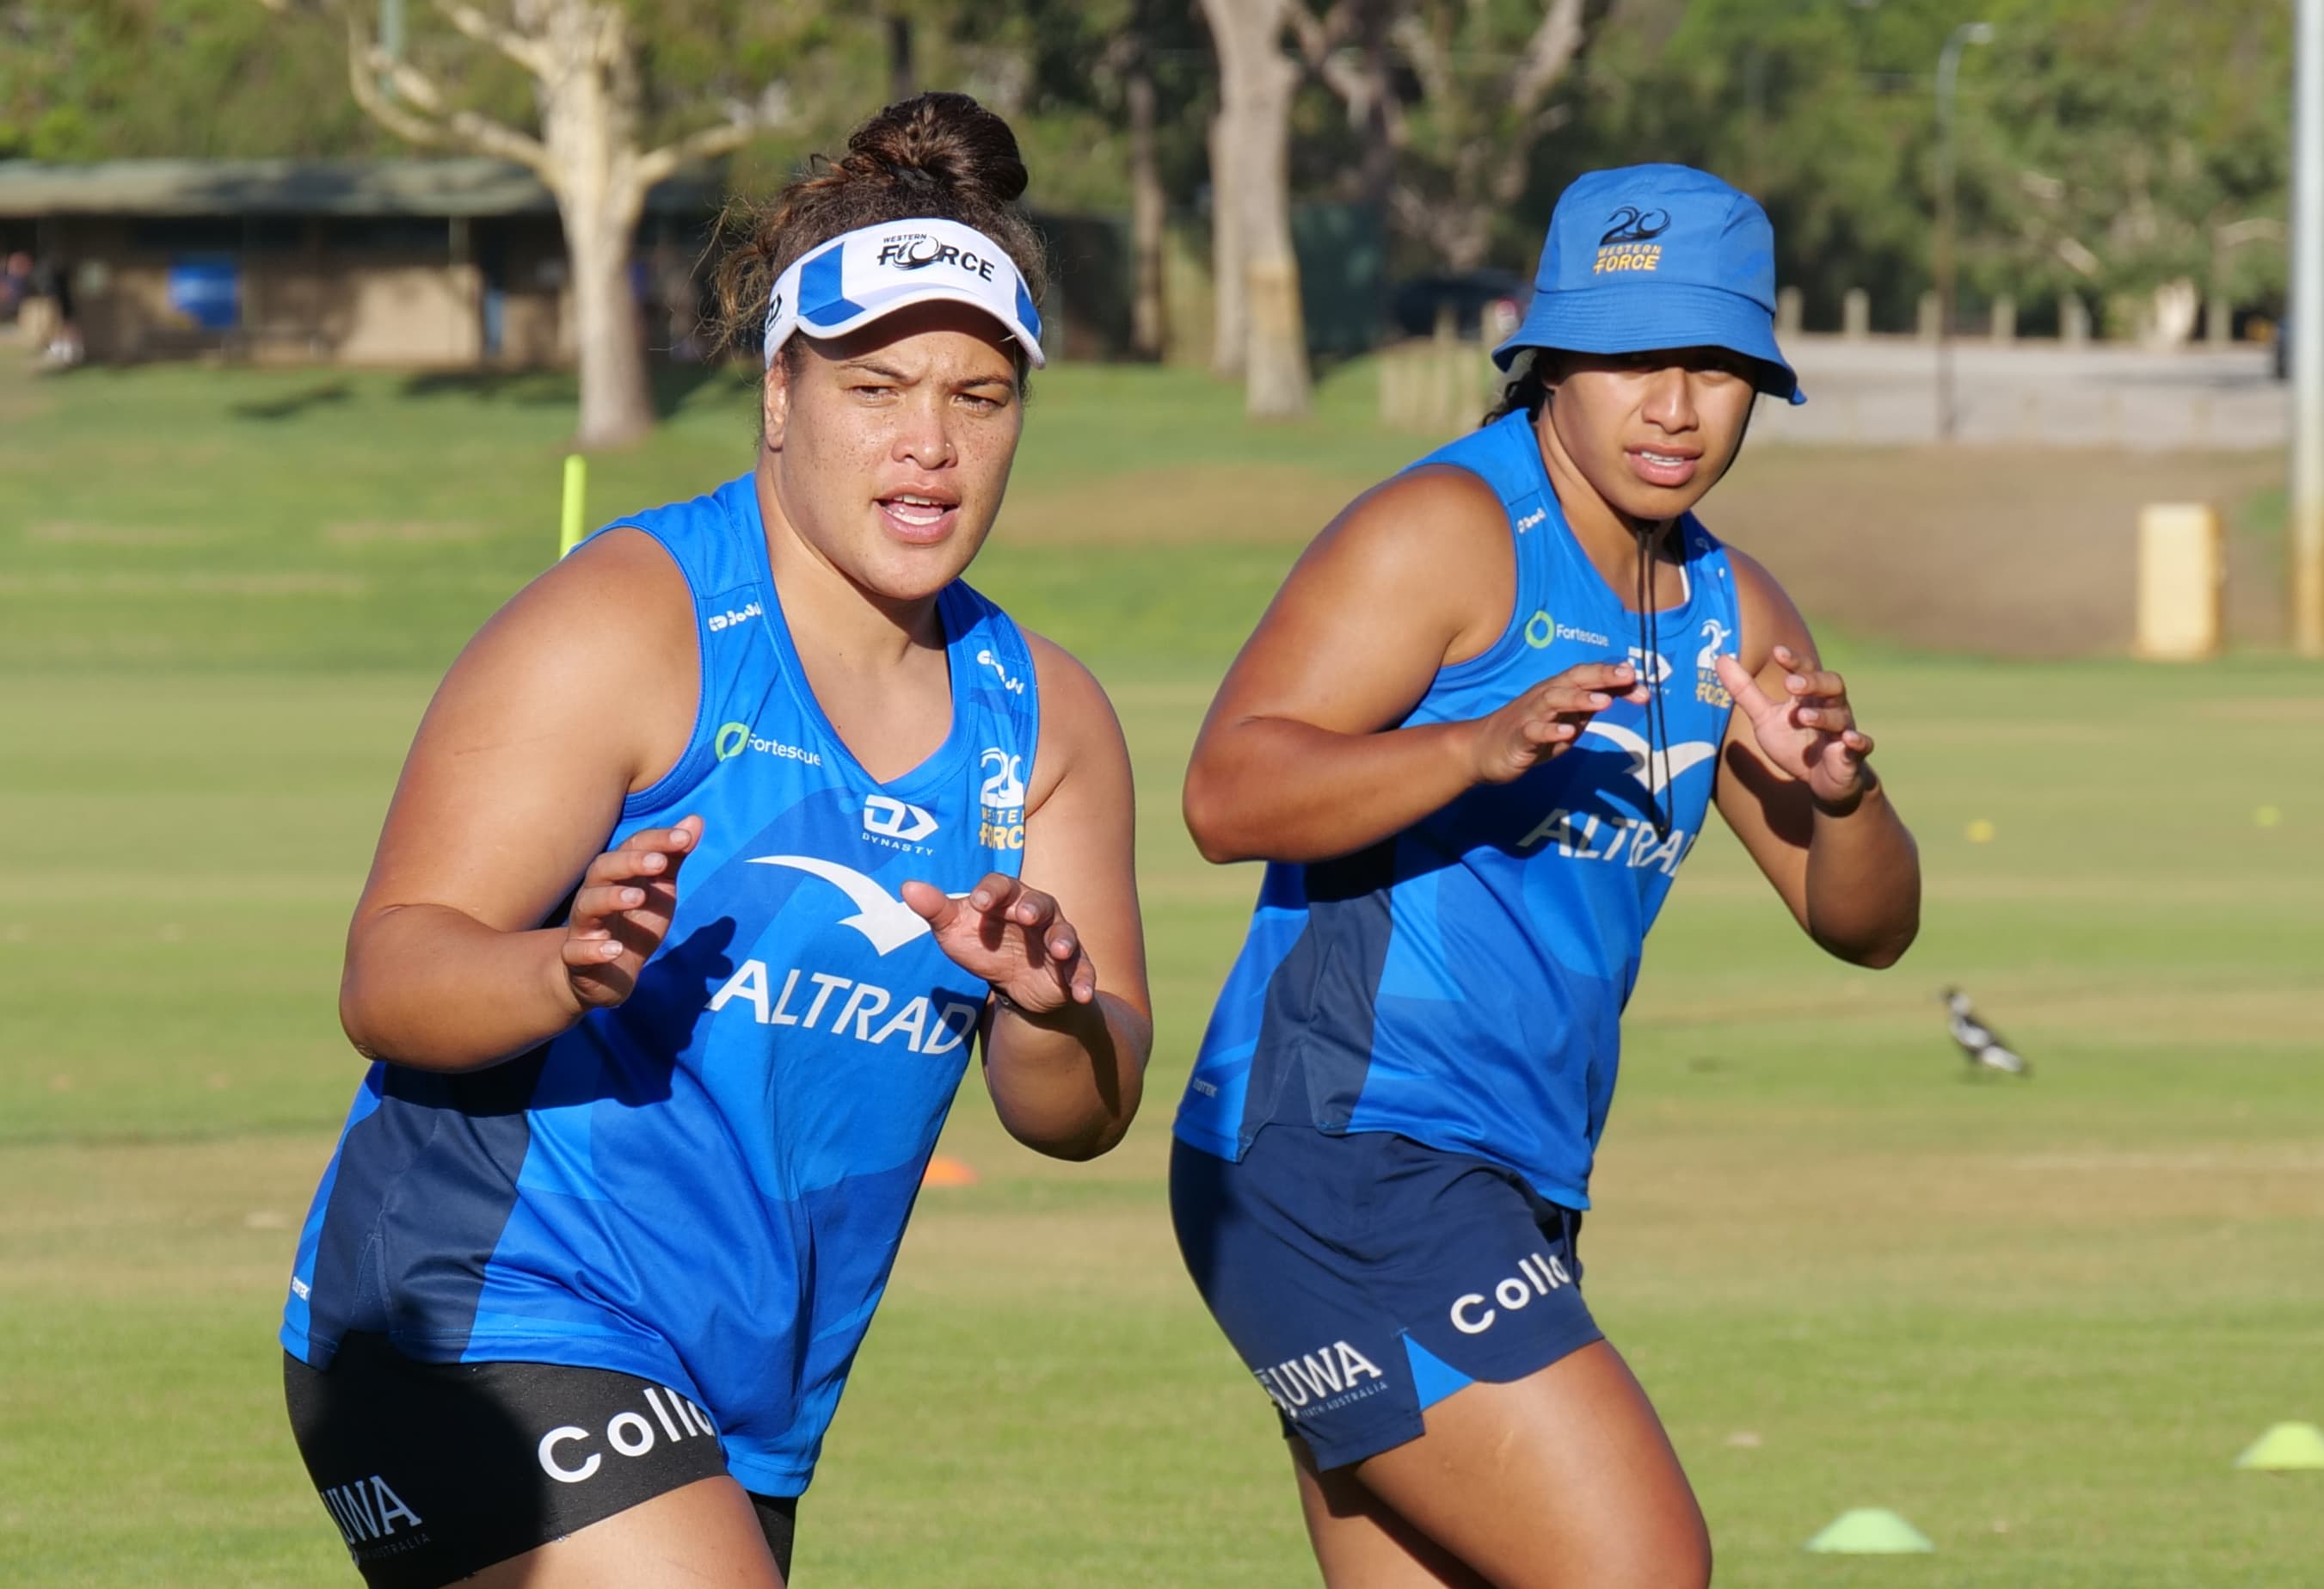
column 733, row 738
column 368, row 1511
column 627, row 1433
column 1320, row 1381
column 1542, row 631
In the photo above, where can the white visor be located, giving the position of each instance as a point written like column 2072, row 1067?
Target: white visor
column 859, row 276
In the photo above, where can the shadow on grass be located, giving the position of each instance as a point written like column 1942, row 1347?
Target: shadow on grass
column 290, row 405
column 674, row 386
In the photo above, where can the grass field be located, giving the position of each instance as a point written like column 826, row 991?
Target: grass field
column 2038, row 1319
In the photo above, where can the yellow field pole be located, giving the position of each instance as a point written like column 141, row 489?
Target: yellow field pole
column 577, row 489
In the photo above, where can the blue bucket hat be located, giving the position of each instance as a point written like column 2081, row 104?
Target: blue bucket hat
column 1649, row 256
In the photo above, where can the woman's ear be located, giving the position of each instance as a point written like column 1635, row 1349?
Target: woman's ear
column 775, row 403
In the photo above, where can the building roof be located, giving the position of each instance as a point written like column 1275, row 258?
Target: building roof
column 461, row 186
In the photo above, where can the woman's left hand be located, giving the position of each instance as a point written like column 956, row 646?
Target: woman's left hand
column 1013, row 937
column 1809, row 734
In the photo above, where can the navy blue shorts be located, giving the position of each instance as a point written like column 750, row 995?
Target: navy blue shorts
column 1367, row 1277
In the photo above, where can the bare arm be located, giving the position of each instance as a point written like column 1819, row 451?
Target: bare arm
column 1798, row 790
column 578, row 691
column 1292, row 763
column 1071, row 1027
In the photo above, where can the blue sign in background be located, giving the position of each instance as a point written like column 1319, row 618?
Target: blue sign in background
column 207, row 290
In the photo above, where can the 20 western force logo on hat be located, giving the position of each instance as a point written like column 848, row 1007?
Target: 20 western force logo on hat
column 1627, row 244
column 1630, row 223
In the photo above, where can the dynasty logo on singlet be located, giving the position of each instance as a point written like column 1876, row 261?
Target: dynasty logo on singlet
column 567, row 1452
column 897, row 824
column 373, row 1518
column 1322, row 1381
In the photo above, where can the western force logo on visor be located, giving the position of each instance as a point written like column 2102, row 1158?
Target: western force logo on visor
column 919, row 252
column 859, row 277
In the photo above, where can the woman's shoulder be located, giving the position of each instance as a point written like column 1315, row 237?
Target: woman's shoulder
column 1768, row 616
column 1077, row 717
column 620, row 583
column 1429, row 524
column 609, row 628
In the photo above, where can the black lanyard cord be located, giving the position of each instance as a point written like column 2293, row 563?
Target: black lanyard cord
column 1657, row 721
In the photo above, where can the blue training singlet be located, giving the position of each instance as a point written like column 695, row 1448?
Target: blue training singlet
column 1461, row 983
column 706, row 1187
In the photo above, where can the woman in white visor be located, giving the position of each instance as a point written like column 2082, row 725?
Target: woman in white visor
column 719, row 848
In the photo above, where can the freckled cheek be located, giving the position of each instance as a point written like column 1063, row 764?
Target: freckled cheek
column 849, row 456
column 986, row 450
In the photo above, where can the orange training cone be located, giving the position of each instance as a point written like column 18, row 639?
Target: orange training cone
column 946, row 1171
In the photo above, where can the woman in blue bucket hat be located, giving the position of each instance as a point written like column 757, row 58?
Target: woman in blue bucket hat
column 1473, row 739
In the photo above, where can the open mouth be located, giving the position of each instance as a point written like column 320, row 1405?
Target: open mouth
column 918, row 517
column 1658, row 468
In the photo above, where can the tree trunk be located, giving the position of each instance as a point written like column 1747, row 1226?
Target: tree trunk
column 1229, row 315
column 901, row 75
column 616, row 401
column 1376, row 169
column 588, row 120
column 1253, row 137
column 588, row 90
column 1147, row 213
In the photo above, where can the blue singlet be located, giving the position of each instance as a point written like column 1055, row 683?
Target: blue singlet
column 706, row 1185
column 1461, row 983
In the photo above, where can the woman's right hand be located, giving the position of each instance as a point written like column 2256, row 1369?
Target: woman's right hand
column 1544, row 721
column 621, row 912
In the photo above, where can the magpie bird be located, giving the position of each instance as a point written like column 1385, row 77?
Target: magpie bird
column 1979, row 1043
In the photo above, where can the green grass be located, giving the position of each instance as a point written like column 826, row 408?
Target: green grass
column 2038, row 1319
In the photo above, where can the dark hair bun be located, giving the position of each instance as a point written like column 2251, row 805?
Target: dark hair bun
column 947, row 139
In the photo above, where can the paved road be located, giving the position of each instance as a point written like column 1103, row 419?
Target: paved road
column 2033, row 393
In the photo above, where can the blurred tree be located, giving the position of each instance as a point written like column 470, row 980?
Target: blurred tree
column 1107, row 99
column 1824, row 109
column 1260, row 331
column 1150, row 205
column 2109, row 149
column 1348, row 48
column 1488, row 74
column 2126, row 151
column 109, row 80
column 608, row 77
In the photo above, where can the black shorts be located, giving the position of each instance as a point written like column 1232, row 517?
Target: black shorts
column 433, row 1471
